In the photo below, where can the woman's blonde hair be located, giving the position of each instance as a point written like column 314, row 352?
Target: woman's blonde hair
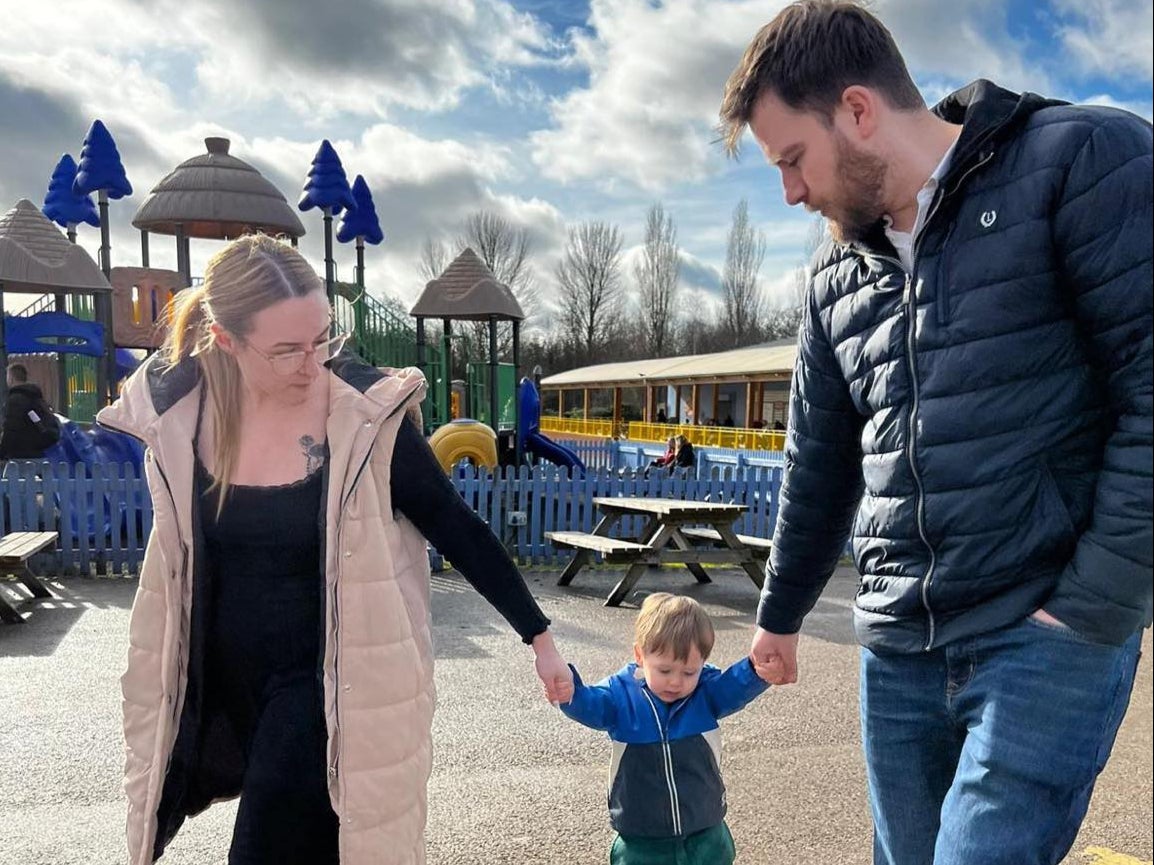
column 249, row 275
column 673, row 623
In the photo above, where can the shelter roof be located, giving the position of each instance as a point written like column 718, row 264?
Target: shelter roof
column 218, row 197
column 36, row 258
column 468, row 290
column 769, row 359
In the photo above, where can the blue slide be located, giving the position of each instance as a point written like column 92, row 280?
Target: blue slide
column 96, row 446
column 529, row 432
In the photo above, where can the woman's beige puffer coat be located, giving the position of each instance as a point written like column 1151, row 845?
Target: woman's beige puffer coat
column 378, row 658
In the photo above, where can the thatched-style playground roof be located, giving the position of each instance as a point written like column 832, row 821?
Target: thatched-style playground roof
column 217, row 197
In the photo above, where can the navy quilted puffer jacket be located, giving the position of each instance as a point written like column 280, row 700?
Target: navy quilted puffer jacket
column 987, row 418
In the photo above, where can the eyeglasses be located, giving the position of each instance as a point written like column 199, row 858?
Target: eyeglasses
column 291, row 362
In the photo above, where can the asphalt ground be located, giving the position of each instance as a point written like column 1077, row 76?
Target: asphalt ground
column 513, row 781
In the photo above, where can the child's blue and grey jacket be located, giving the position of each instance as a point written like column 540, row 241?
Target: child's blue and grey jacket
column 665, row 779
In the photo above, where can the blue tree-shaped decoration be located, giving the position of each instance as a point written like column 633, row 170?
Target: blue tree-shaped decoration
column 62, row 205
column 361, row 225
column 327, row 187
column 100, row 168
column 101, row 171
column 361, row 222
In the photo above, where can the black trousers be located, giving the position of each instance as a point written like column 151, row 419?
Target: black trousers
column 285, row 817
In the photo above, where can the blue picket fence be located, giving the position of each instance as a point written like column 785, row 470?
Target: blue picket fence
column 104, row 515
column 549, row 498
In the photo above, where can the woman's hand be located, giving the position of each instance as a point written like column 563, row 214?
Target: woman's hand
column 552, row 670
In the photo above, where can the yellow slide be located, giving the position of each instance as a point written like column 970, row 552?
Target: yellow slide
column 464, row 439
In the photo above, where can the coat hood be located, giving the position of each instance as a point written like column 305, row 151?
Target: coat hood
column 157, row 387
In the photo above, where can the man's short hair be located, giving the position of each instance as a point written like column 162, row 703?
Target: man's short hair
column 19, row 372
column 807, row 56
column 673, row 623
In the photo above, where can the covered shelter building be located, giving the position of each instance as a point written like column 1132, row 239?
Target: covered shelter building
column 745, row 389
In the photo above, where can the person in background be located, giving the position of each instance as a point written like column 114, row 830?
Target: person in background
column 686, row 458
column 30, row 424
column 667, row 458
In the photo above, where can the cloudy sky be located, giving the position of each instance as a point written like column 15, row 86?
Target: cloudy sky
column 549, row 112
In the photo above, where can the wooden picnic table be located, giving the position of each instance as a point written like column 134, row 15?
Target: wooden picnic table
column 16, row 549
column 672, row 534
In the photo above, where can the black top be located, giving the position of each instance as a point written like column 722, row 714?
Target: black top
column 273, row 533
column 21, row 437
column 423, row 493
column 263, row 557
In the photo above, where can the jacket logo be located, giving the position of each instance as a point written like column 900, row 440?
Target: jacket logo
column 988, row 218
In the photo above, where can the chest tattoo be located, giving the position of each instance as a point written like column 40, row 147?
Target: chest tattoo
column 314, row 453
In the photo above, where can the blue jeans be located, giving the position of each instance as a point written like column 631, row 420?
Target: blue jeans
column 987, row 750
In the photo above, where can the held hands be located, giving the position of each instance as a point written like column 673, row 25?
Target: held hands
column 774, row 657
column 552, row 670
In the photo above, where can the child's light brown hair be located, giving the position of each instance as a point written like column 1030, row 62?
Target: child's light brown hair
column 673, row 623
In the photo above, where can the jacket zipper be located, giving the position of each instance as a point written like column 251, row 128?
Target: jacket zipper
column 667, row 756
column 334, row 769
column 911, row 332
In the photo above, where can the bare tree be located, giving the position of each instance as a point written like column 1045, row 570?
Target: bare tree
column 743, row 307
column 657, row 274
column 505, row 248
column 784, row 321
column 435, row 257
column 589, row 284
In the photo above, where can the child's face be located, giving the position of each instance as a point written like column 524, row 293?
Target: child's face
column 667, row 677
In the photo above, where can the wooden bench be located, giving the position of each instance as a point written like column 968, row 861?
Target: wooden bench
column 760, row 546
column 15, row 551
column 665, row 539
column 596, row 543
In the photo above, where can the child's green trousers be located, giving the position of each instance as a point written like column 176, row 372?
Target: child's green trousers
column 712, row 846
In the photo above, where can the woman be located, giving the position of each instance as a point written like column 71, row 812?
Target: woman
column 280, row 644
column 685, row 457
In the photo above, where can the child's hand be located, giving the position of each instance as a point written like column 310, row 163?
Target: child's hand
column 771, row 670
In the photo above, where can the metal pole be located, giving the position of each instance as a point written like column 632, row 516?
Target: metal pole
column 494, row 401
column 102, row 305
column 60, row 305
column 447, row 366
column 517, row 391
column 359, row 303
column 3, row 354
column 182, row 265
column 144, row 248
column 328, row 252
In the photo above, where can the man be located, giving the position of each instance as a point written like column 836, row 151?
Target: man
column 30, row 427
column 974, row 383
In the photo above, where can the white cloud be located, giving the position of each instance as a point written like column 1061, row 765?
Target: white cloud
column 656, row 73
column 1110, row 37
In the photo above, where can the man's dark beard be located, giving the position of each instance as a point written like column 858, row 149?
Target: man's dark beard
column 859, row 205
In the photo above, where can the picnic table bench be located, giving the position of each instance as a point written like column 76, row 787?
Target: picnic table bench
column 16, row 549
column 669, row 535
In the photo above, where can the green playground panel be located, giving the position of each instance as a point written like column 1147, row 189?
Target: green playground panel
column 477, row 380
